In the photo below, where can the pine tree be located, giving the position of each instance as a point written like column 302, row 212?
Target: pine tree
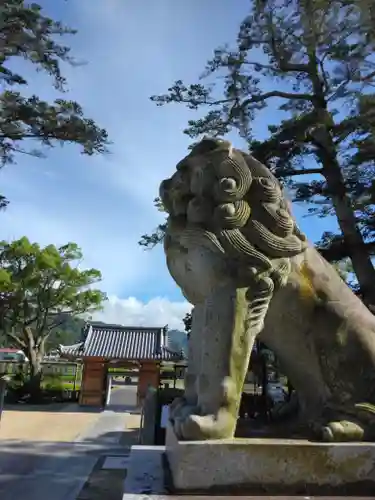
column 314, row 58
column 25, row 32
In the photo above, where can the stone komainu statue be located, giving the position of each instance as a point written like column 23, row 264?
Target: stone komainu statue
column 235, row 250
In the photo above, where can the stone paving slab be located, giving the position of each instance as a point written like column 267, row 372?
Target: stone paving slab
column 145, row 472
column 116, row 462
column 104, row 483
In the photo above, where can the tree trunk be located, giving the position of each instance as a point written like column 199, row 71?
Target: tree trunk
column 353, row 238
column 35, row 354
column 327, row 154
column 35, row 379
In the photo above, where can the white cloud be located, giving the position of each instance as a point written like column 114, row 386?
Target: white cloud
column 132, row 312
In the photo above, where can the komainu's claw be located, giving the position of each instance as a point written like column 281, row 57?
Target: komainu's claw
column 342, row 431
column 203, row 427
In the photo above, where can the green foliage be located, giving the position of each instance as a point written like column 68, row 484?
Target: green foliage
column 314, row 60
column 38, row 286
column 187, row 323
column 68, row 331
column 149, row 241
column 177, row 340
column 3, row 202
column 25, row 32
column 57, row 382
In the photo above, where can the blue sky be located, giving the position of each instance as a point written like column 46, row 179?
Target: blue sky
column 133, row 49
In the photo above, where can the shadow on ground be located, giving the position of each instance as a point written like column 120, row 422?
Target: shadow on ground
column 40, row 470
column 125, row 439
column 73, row 408
column 123, row 399
column 52, row 407
column 123, row 409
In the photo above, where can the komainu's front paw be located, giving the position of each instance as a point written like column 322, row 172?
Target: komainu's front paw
column 194, row 427
column 342, row 431
column 346, row 424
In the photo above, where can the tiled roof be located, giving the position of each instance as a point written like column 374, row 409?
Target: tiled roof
column 122, row 342
column 74, row 350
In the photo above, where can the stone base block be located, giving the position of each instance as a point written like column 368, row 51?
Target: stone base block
column 271, row 466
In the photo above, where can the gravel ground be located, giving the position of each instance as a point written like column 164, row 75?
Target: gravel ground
column 60, row 424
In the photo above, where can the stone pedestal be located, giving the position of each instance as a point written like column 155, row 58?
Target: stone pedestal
column 272, row 466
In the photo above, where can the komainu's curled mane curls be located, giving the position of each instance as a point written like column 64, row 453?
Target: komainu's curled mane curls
column 233, row 247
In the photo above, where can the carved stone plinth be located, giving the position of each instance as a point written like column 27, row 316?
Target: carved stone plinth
column 272, row 466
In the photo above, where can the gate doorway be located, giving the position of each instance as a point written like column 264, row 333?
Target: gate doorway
column 122, row 383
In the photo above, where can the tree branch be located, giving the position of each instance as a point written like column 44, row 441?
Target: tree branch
column 16, row 339
column 276, row 47
column 281, row 69
column 27, row 136
column 368, row 77
column 306, row 171
column 339, row 252
column 277, row 93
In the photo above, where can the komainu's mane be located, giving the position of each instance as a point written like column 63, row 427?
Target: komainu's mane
column 238, row 201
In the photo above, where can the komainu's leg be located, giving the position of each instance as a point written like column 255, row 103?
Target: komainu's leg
column 194, row 354
column 188, row 404
column 226, row 348
column 345, row 423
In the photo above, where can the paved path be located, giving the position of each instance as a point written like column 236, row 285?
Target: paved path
column 123, row 398
column 121, row 413
column 43, row 470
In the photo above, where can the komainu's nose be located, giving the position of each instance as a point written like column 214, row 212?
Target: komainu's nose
column 164, row 189
column 166, row 184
